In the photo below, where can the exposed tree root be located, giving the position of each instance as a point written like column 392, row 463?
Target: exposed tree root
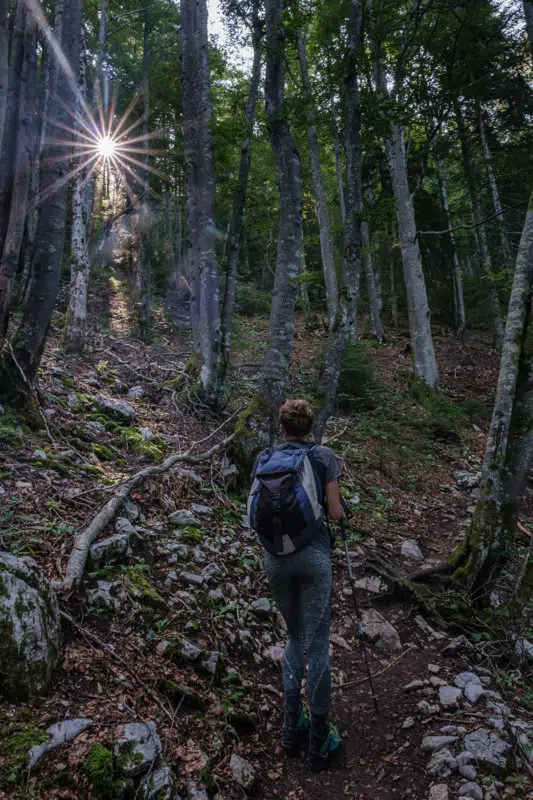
column 83, row 541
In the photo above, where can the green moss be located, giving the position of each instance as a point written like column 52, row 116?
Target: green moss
column 103, row 452
column 246, row 443
column 15, row 393
column 191, row 534
column 92, row 469
column 142, row 590
column 11, row 435
column 100, row 770
column 67, row 381
column 133, row 439
column 15, row 742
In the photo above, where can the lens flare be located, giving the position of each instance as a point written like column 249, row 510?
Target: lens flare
column 106, row 147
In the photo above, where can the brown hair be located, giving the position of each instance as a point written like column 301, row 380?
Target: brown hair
column 296, row 418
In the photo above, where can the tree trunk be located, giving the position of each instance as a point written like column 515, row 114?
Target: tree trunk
column 497, row 326
column 354, row 194
column 239, row 198
column 76, row 319
column 143, row 280
column 10, row 254
column 373, row 297
column 4, row 64
column 304, row 291
column 424, row 361
column 460, row 317
column 29, row 339
column 345, row 328
column 322, row 213
column 528, row 13
column 393, row 293
column 200, row 193
column 9, row 142
column 496, row 202
column 509, row 444
column 340, row 179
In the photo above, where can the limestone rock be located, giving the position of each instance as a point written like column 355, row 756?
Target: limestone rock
column 146, row 433
column 198, row 508
column 212, row 572
column 439, row 791
column 467, row 480
column 379, row 631
column 432, row 744
column 262, row 608
column 182, row 517
column 472, row 790
column 192, row 578
column 488, row 749
column 198, row 794
column 118, row 409
column 108, row 551
column 275, row 654
column 468, row 771
column 158, row 785
column 131, row 510
column 442, row 764
column 135, row 392
column 30, row 626
column 473, row 691
column 123, row 525
column 408, row 723
column 456, row 645
column 414, row 686
column 411, row 550
column 466, row 677
column 60, row 734
column 243, row 773
column 213, row 665
column 105, row 595
column 450, row 696
column 372, row 584
column 139, row 749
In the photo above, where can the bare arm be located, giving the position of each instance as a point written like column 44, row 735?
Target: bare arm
column 333, row 498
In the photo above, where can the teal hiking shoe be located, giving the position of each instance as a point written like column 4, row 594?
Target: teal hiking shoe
column 322, row 750
column 295, row 733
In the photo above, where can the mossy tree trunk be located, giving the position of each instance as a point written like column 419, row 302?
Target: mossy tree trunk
column 509, row 452
column 258, row 426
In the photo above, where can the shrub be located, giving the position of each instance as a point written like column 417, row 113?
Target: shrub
column 358, row 386
column 250, row 302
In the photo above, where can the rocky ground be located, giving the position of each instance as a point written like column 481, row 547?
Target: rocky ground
column 167, row 680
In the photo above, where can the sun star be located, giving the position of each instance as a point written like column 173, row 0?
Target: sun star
column 106, row 147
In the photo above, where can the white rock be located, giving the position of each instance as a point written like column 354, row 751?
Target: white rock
column 468, row 771
column 158, row 785
column 488, row 749
column 182, row 517
column 432, row 744
column 442, row 764
column 123, row 525
column 146, row 433
column 467, row 480
column 60, row 733
column 141, row 747
column 439, row 791
column 473, row 691
column 118, row 409
column 108, row 551
column 411, row 550
column 262, row 607
column 135, row 392
column 31, row 628
column 192, row 578
column 414, row 686
column 379, row 631
column 466, row 677
column 275, row 653
column 472, row 790
column 243, row 773
column 198, row 508
column 449, row 696
column 408, row 723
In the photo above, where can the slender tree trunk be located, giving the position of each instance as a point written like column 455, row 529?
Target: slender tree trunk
column 9, row 142
column 528, row 13
column 200, row 192
column 497, row 325
column 345, row 328
column 29, row 339
column 373, row 298
column 496, row 202
column 10, row 254
column 144, row 261
column 75, row 329
column 322, row 213
column 460, row 317
column 393, row 294
column 354, row 192
column 4, row 64
column 304, row 291
column 340, row 179
column 424, row 360
column 239, row 199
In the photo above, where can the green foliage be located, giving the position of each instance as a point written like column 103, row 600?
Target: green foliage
column 191, row 534
column 443, row 418
column 358, row 385
column 15, row 741
column 100, row 769
column 11, row 432
column 133, row 439
column 251, row 302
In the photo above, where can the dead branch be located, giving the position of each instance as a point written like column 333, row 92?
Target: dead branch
column 83, row 541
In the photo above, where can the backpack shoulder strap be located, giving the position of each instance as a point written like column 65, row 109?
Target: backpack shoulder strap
column 319, row 470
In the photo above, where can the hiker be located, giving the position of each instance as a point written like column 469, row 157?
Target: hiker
column 293, row 484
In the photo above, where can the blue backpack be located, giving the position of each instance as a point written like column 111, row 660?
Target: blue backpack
column 286, row 501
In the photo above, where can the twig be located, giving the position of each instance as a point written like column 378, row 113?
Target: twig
column 201, row 441
column 118, row 658
column 336, row 436
column 30, row 389
column 392, row 663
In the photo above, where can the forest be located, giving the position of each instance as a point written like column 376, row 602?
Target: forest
column 208, row 207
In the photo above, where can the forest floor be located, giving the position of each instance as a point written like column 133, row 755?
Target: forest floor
column 400, row 475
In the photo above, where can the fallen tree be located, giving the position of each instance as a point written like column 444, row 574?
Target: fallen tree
column 83, row 541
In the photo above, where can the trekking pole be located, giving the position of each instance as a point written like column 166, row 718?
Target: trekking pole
column 358, row 616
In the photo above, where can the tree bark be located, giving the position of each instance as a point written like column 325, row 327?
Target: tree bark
column 322, row 213
column 304, row 290
column 354, row 193
column 200, row 194
column 30, row 337
column 9, row 142
column 4, row 63
column 528, row 13
column 340, row 179
column 239, row 198
column 75, row 329
column 496, row 202
column 373, row 296
column 10, row 253
column 460, row 317
column 143, row 281
column 277, row 360
column 497, row 325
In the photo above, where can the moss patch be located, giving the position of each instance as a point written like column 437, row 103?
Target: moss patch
column 133, row 439
column 142, row 590
column 15, row 742
column 100, row 770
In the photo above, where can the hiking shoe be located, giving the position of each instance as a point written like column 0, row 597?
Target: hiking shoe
column 323, row 750
column 295, row 733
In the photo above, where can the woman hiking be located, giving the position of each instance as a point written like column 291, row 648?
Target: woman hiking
column 293, row 484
